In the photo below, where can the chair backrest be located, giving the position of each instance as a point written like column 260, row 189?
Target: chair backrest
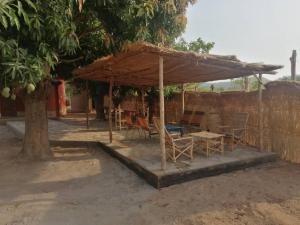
column 240, row 120
column 192, row 117
column 213, row 122
column 143, row 123
column 168, row 137
column 128, row 120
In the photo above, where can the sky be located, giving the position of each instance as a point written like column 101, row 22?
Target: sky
column 254, row 30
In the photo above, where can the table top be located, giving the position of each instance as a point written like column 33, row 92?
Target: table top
column 173, row 127
column 207, row 135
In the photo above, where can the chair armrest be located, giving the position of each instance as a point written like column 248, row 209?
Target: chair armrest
column 183, row 138
column 225, row 126
column 238, row 129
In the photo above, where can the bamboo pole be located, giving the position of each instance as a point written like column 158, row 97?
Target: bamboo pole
column 260, row 112
column 182, row 99
column 246, row 82
column 87, row 105
column 110, row 109
column 120, row 117
column 143, row 102
column 293, row 65
column 162, row 113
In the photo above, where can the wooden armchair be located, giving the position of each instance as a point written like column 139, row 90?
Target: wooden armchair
column 192, row 120
column 176, row 146
column 235, row 128
column 130, row 126
column 146, row 128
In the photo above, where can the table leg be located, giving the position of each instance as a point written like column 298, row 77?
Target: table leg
column 207, row 147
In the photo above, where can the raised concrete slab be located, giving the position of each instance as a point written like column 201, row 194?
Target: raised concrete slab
column 143, row 155
column 147, row 165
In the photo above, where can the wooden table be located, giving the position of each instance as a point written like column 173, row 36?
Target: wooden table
column 173, row 128
column 209, row 142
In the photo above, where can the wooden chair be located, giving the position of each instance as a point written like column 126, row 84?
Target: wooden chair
column 145, row 128
column 130, row 126
column 236, row 128
column 176, row 146
column 191, row 120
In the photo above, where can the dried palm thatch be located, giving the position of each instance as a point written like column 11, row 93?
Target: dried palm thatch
column 137, row 65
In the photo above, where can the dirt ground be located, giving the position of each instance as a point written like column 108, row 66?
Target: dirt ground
column 84, row 186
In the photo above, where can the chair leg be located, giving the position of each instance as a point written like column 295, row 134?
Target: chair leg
column 222, row 145
column 232, row 142
column 207, row 149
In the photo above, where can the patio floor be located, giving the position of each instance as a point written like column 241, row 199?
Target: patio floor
column 143, row 156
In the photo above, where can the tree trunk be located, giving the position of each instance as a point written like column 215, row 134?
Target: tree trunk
column 99, row 105
column 36, row 141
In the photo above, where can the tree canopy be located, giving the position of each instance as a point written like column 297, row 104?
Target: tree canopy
column 42, row 39
column 197, row 45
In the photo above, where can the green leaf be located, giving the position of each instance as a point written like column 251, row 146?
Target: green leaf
column 30, row 3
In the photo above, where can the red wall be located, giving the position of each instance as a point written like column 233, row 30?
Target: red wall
column 9, row 108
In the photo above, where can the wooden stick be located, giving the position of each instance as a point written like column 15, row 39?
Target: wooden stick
column 293, row 65
column 143, row 102
column 246, row 81
column 109, row 109
column 182, row 99
column 87, row 105
column 162, row 113
column 260, row 113
column 120, row 117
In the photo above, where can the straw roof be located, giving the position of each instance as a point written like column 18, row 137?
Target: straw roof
column 138, row 65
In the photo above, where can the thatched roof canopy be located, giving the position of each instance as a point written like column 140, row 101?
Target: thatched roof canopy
column 138, row 66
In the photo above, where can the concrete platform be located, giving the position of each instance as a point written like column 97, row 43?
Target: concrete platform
column 143, row 157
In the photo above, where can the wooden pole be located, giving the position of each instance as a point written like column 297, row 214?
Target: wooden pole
column 293, row 65
column 246, row 81
column 57, row 101
column 120, row 117
column 260, row 112
column 87, row 105
column 110, row 109
column 143, row 102
column 162, row 113
column 182, row 99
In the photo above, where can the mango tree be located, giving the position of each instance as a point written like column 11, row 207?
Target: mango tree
column 40, row 40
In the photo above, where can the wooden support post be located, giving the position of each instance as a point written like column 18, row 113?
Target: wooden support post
column 120, row 117
column 246, row 82
column 260, row 112
column 162, row 113
column 293, row 65
column 110, row 109
column 182, row 99
column 143, row 102
column 87, row 105
column 57, row 102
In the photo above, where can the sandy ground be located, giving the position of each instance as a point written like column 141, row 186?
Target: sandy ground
column 83, row 185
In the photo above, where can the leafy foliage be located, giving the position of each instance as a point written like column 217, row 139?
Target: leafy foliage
column 40, row 39
column 34, row 35
column 286, row 78
column 198, row 46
